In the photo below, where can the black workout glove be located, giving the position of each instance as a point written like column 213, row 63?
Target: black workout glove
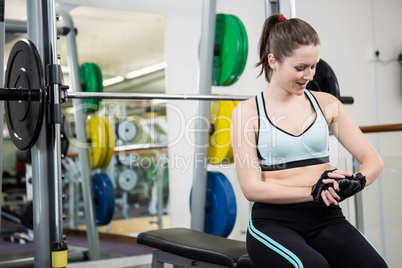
column 348, row 186
column 351, row 185
column 319, row 187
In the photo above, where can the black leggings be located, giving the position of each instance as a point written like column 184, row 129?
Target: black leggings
column 307, row 235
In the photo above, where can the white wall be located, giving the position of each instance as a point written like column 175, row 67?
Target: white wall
column 348, row 30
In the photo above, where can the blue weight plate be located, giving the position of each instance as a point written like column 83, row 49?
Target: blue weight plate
column 103, row 195
column 221, row 211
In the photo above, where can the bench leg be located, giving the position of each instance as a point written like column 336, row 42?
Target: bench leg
column 157, row 263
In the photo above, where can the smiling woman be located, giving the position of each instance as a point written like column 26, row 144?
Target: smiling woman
column 296, row 220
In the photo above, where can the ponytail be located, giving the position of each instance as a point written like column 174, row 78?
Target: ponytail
column 281, row 37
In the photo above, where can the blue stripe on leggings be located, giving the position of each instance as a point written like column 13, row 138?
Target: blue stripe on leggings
column 275, row 246
column 372, row 246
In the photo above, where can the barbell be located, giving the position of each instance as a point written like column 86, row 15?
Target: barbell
column 26, row 96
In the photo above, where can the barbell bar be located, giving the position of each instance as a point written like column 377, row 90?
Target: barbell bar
column 153, row 96
column 20, row 94
column 23, row 94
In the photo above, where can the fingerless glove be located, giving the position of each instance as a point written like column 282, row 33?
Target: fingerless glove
column 350, row 186
column 319, row 187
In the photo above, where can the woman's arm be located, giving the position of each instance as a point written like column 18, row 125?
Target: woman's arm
column 350, row 136
column 243, row 134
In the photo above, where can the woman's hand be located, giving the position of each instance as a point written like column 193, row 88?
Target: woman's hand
column 330, row 195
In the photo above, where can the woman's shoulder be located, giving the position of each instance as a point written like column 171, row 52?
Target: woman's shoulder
column 329, row 104
column 246, row 107
column 324, row 98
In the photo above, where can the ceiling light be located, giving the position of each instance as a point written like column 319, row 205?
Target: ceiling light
column 112, row 81
column 146, row 70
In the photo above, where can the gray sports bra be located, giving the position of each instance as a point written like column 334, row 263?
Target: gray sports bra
column 278, row 149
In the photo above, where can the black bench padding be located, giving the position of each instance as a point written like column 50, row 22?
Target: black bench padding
column 195, row 245
column 244, row 262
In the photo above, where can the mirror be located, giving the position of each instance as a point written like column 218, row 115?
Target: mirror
column 128, row 47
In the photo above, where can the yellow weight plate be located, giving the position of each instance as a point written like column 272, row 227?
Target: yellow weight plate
column 230, row 152
column 110, row 142
column 220, row 148
column 97, row 134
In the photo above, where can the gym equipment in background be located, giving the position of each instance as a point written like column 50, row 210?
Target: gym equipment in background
column 220, row 146
column 231, row 50
column 101, row 136
column 103, row 196
column 24, row 117
column 91, row 81
column 325, row 80
column 221, row 209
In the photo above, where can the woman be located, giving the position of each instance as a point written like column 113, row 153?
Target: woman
column 280, row 144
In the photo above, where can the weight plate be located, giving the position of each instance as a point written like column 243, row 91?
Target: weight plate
column 103, row 196
column 325, row 79
column 24, row 118
column 127, row 131
column 97, row 135
column 220, row 147
column 91, row 81
column 64, row 129
column 99, row 80
column 128, row 179
column 243, row 54
column 231, row 46
column 110, row 142
column 221, row 211
column 236, row 32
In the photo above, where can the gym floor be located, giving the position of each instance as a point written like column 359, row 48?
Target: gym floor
column 117, row 250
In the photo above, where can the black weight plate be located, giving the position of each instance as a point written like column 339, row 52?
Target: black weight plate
column 64, row 142
column 24, row 118
column 325, row 79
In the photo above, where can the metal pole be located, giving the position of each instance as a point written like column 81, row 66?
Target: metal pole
column 20, row 26
column 271, row 7
column 40, row 172
column 201, row 136
column 92, row 232
column 58, row 246
column 358, row 201
column 292, row 8
column 145, row 96
column 2, row 38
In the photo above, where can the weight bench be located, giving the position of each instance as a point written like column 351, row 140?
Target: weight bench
column 189, row 248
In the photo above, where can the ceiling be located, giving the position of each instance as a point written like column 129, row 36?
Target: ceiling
column 119, row 41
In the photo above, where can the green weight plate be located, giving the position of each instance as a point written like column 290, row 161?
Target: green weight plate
column 235, row 68
column 219, row 33
column 91, row 81
column 99, row 80
column 24, row 118
column 89, row 104
column 244, row 53
column 230, row 49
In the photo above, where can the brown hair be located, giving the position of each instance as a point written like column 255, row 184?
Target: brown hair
column 281, row 39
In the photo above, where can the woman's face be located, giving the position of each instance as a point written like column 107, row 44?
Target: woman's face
column 296, row 71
